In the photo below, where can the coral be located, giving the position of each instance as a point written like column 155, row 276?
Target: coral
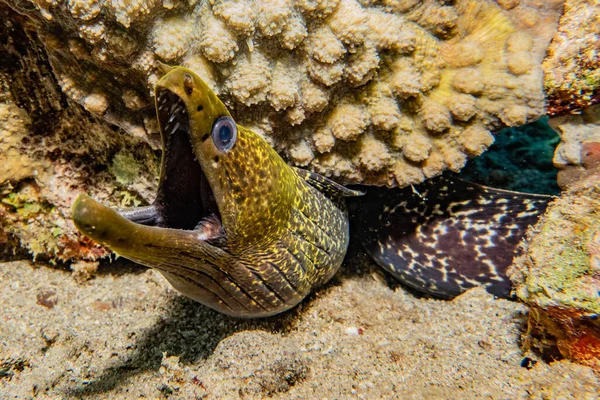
column 578, row 153
column 572, row 67
column 559, row 275
column 15, row 162
column 84, row 270
column 51, row 149
column 125, row 167
column 384, row 92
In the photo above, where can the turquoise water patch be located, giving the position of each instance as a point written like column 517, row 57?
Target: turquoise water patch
column 520, row 159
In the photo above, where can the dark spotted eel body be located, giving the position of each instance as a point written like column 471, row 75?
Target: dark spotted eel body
column 447, row 235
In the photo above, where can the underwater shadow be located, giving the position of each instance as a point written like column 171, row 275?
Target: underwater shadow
column 117, row 267
column 188, row 330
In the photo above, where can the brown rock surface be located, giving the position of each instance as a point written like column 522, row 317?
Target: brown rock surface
column 51, row 150
column 578, row 154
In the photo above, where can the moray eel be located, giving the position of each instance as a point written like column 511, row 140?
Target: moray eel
column 233, row 226
column 446, row 235
column 237, row 229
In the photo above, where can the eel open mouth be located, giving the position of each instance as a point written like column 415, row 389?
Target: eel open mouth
column 184, row 202
column 185, row 199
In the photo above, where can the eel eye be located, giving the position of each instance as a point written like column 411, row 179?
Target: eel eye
column 224, row 133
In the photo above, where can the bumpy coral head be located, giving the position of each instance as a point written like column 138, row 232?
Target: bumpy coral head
column 202, row 143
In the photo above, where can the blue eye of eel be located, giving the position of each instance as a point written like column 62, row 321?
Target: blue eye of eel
column 224, row 133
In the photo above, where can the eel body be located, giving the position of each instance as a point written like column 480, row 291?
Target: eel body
column 446, row 235
column 237, row 229
column 233, row 226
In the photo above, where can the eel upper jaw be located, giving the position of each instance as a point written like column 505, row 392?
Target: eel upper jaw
column 185, row 199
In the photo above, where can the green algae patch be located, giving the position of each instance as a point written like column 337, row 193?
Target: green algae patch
column 128, row 199
column 125, row 167
column 23, row 212
column 23, row 205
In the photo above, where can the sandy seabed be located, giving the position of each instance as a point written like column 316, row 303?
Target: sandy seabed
column 127, row 334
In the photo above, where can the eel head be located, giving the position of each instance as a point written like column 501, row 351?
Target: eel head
column 223, row 191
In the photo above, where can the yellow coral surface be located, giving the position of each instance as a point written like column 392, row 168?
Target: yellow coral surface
column 15, row 163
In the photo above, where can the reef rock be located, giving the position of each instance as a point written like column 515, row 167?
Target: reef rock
column 558, row 277
column 572, row 67
column 384, row 92
column 51, row 150
column 578, row 154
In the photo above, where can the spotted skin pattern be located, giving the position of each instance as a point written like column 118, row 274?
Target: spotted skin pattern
column 447, row 235
column 272, row 240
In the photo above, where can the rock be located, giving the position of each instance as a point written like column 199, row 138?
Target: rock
column 51, row 150
column 572, row 67
column 578, row 154
column 558, row 276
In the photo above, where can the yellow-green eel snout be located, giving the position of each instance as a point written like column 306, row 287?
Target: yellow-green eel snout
column 232, row 226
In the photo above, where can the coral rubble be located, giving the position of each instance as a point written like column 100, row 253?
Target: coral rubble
column 384, row 92
column 572, row 67
column 558, row 276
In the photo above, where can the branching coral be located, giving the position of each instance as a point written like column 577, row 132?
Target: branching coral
column 397, row 90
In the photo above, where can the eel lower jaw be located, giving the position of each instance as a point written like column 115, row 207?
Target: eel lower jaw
column 162, row 248
column 106, row 225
